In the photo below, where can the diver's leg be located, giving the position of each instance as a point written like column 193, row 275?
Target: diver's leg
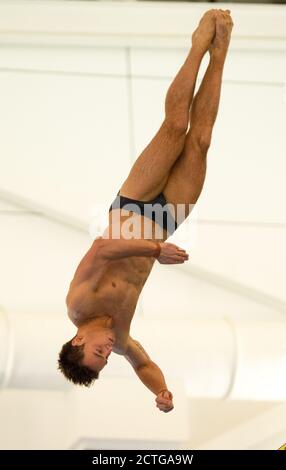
column 150, row 171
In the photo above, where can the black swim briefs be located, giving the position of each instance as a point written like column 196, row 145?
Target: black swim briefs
column 158, row 214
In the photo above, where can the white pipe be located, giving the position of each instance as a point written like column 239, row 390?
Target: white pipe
column 29, row 348
column 222, row 358
column 5, row 349
column 217, row 359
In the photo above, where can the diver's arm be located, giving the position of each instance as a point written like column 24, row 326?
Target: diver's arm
column 122, row 248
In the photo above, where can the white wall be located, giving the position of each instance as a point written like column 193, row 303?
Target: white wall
column 111, row 409
column 82, row 94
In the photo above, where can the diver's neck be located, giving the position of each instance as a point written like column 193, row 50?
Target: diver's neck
column 105, row 321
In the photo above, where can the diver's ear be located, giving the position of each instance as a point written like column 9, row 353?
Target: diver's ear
column 77, row 341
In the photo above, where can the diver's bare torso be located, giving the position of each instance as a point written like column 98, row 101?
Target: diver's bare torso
column 110, row 288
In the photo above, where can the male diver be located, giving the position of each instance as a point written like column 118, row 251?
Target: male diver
column 169, row 174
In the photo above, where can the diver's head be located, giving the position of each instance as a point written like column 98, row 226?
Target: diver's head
column 84, row 356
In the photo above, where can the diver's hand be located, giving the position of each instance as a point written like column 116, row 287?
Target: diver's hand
column 172, row 254
column 164, row 401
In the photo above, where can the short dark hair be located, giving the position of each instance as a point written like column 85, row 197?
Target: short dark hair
column 70, row 364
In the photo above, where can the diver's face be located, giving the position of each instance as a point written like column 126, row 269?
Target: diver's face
column 97, row 348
